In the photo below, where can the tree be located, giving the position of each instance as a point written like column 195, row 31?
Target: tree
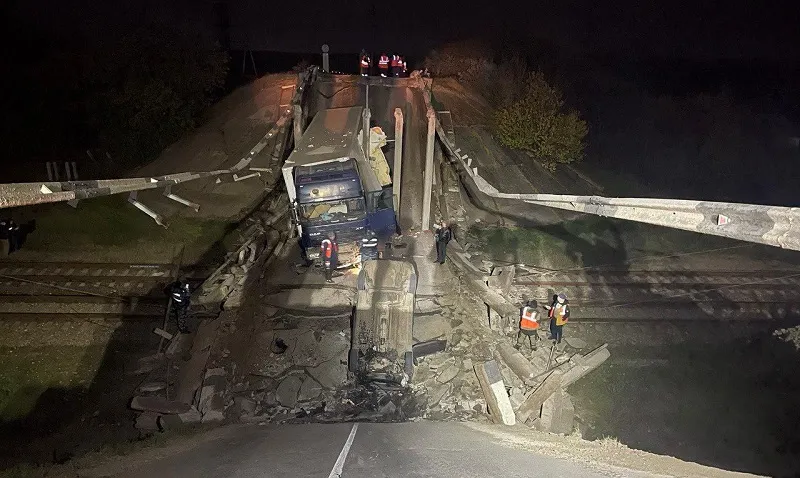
column 538, row 124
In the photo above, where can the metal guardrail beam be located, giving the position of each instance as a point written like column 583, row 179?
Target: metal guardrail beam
column 777, row 226
column 27, row 194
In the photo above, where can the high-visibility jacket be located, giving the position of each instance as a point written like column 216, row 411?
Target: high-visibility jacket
column 405, row 65
column 395, row 61
column 328, row 249
column 528, row 319
column 383, row 62
column 369, row 242
column 559, row 313
column 364, row 62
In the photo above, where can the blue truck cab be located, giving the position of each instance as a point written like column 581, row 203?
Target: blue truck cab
column 333, row 188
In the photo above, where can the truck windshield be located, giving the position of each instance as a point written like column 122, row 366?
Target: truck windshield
column 343, row 210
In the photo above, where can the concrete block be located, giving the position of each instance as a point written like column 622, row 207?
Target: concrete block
column 288, row 391
column 558, row 414
column 310, row 390
column 448, row 373
column 494, row 391
column 517, row 362
column 533, row 402
column 588, row 362
column 147, row 421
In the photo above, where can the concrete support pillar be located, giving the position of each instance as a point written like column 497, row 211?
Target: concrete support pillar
column 428, row 180
column 298, row 124
column 398, row 159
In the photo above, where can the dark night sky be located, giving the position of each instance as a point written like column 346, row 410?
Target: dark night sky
column 702, row 29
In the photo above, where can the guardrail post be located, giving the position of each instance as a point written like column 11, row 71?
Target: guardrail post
column 398, row 159
column 428, row 181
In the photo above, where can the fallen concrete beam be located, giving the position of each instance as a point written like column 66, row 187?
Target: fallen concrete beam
column 558, row 414
column 494, row 391
column 517, row 362
column 159, row 405
column 533, row 402
column 585, row 364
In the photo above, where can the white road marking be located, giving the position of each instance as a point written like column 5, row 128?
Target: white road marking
column 336, row 472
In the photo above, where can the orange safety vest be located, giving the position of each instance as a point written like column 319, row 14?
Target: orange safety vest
column 383, row 62
column 328, row 247
column 364, row 62
column 394, row 61
column 527, row 320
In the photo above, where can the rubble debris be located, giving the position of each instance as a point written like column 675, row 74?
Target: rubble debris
column 147, row 421
column 181, row 420
column 190, row 377
column 429, row 347
column 517, row 362
column 426, row 307
column 278, row 346
column 558, row 414
column 244, row 406
column 159, row 405
column 330, row 374
column 212, row 395
column 502, row 278
column 448, row 373
column 494, row 391
column 288, row 391
column 533, row 402
column 430, row 327
column 149, row 387
column 146, row 364
column 310, row 389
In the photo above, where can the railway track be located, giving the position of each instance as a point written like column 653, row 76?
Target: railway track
column 72, row 291
column 670, row 294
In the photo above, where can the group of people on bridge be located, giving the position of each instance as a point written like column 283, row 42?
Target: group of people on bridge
column 394, row 65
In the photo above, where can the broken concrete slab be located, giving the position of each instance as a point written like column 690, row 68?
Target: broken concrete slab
column 533, row 402
column 502, row 278
column 213, row 416
column 586, row 364
column 159, row 405
column 517, row 362
column 190, row 377
column 149, row 387
column 331, row 374
column 288, row 391
column 558, row 414
column 430, row 327
column 448, row 373
column 426, row 306
column 310, row 390
column 494, row 391
column 244, row 405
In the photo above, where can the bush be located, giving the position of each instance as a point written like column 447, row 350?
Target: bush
column 466, row 61
column 537, row 123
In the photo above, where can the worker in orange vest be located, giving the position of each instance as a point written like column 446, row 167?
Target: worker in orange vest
column 383, row 65
column 404, row 66
column 559, row 316
column 529, row 324
column 395, row 65
column 329, row 253
column 364, row 63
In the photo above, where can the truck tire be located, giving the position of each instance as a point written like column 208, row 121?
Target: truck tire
column 352, row 361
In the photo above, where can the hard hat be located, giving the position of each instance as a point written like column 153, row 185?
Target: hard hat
column 562, row 298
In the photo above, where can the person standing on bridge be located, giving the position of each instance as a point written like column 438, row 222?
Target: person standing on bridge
column 180, row 297
column 4, row 239
column 329, row 252
column 364, row 63
column 404, row 66
column 383, row 65
column 442, row 236
column 559, row 316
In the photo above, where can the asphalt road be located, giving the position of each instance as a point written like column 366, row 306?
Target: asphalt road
column 443, row 449
column 384, row 96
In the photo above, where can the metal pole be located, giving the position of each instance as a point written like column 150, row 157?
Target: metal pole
column 398, row 159
column 326, row 65
column 366, row 117
column 428, row 183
